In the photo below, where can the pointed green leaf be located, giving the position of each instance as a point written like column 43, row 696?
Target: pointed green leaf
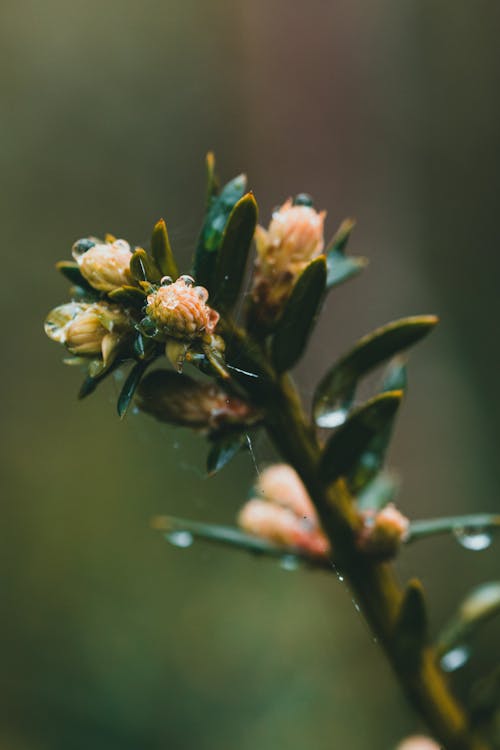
column 411, row 631
column 92, row 381
column 372, row 459
column 223, row 451
column 162, row 251
column 350, row 441
column 71, row 271
column 336, row 389
column 341, row 267
column 480, row 605
column 213, row 228
column 143, row 268
column 299, row 316
column 378, row 493
column 128, row 295
column 469, row 530
column 233, row 254
column 212, row 180
column 129, row 387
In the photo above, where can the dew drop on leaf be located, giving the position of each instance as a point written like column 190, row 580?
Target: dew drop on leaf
column 334, row 416
column 289, row 562
column 180, row 538
column 473, row 539
column 455, row 659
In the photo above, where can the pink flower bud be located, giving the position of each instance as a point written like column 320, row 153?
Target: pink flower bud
column 383, row 532
column 106, row 266
column 418, row 742
column 282, row 526
column 179, row 310
column 295, row 237
column 282, row 485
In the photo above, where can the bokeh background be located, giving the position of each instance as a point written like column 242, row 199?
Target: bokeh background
column 385, row 110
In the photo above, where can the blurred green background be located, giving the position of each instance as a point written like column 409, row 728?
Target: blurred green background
column 385, row 110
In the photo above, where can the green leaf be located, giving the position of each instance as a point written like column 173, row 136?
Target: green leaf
column 129, row 387
column 223, row 451
column 299, row 316
column 71, row 271
column 463, row 527
column 233, row 255
column 213, row 228
column 92, row 381
column 128, row 295
column 162, row 251
column 372, row 459
column 350, row 441
column 212, row 180
column 411, row 631
column 479, row 606
column 341, row 267
column 378, row 493
column 335, row 391
column 143, row 268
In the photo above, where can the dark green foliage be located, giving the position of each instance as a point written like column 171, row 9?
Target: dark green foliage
column 411, row 630
column 351, row 440
column 223, row 450
column 129, row 387
column 233, row 254
column 297, row 321
column 340, row 381
column 218, row 211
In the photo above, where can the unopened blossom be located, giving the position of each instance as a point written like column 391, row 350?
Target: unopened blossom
column 281, row 484
column 105, row 265
column 87, row 329
column 418, row 742
column 294, row 237
column 178, row 399
column 179, row 310
column 383, row 532
column 284, row 512
column 280, row 525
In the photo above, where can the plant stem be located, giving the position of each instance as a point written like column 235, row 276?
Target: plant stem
column 373, row 584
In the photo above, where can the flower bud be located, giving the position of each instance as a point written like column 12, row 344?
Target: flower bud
column 418, row 742
column 295, row 237
column 178, row 399
column 179, row 310
column 282, row 526
column 383, row 532
column 282, row 485
column 106, row 266
column 87, row 330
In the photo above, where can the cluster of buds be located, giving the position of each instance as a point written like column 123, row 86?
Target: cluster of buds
column 295, row 236
column 177, row 313
column 181, row 400
column 89, row 329
column 105, row 265
column 383, row 532
column 283, row 512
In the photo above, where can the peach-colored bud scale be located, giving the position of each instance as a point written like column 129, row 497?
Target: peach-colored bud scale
column 179, row 310
column 383, row 532
column 107, row 266
column 281, row 484
column 87, row 329
column 281, row 525
column 294, row 238
column 418, row 742
column 284, row 513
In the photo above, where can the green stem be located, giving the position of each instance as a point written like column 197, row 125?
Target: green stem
column 374, row 585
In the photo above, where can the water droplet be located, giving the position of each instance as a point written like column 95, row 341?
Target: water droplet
column 333, row 417
column 180, row 538
column 340, row 578
column 455, row 658
column 81, row 246
column 166, row 280
column 289, row 562
column 474, row 539
column 188, row 280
